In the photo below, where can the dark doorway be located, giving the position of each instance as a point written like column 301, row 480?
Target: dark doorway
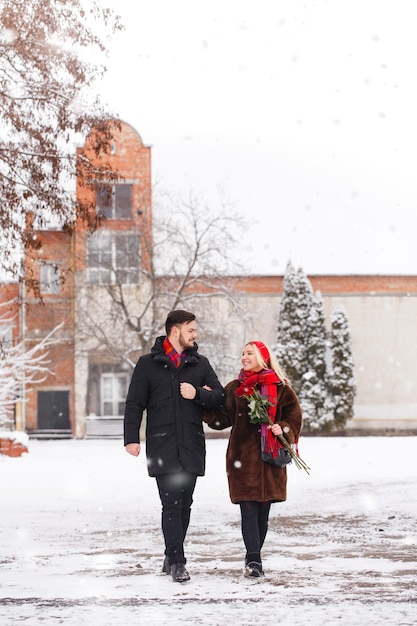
column 53, row 410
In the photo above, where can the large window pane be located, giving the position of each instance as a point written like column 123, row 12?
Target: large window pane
column 108, row 408
column 127, row 258
column 49, row 279
column 123, row 202
column 113, row 392
column 122, row 387
column 107, row 387
column 114, row 201
column 104, row 201
column 113, row 257
column 99, row 258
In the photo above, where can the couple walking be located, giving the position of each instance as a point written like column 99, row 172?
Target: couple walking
column 179, row 390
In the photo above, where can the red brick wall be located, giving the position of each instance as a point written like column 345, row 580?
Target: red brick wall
column 354, row 284
column 328, row 285
column 132, row 161
column 41, row 317
column 349, row 284
column 56, row 247
column 9, row 297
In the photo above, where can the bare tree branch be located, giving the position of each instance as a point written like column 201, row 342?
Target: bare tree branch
column 184, row 261
column 20, row 364
column 44, row 107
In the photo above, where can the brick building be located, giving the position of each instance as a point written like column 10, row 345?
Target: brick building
column 67, row 267
column 85, row 392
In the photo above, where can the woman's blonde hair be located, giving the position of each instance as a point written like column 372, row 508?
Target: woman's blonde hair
column 273, row 363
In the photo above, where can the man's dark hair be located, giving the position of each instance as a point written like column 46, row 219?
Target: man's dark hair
column 178, row 317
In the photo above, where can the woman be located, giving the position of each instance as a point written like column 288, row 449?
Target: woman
column 254, row 484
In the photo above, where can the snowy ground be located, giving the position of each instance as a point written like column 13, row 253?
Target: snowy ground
column 80, row 540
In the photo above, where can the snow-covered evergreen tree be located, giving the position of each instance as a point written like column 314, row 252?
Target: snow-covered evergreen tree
column 326, row 398
column 290, row 348
column 342, row 385
column 313, row 391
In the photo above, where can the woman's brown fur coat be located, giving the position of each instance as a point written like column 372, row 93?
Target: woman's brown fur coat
column 249, row 477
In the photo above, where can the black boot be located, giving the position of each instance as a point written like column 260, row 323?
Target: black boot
column 254, row 570
column 166, row 568
column 179, row 573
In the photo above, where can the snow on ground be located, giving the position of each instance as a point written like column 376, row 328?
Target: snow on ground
column 80, row 540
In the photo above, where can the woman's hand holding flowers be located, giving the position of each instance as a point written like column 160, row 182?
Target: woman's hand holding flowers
column 258, row 414
column 276, row 429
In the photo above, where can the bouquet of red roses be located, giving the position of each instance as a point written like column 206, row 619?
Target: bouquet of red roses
column 258, row 414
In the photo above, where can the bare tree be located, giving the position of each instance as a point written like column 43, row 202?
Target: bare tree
column 186, row 262
column 20, row 364
column 43, row 108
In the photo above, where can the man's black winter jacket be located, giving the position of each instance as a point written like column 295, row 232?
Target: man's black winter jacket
column 174, row 432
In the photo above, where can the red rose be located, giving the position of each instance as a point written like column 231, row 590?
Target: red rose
column 244, row 390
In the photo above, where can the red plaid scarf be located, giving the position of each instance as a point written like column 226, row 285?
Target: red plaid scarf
column 171, row 353
column 267, row 381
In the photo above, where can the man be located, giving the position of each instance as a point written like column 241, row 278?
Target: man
column 174, row 383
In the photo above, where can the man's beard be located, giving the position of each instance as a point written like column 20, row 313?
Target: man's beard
column 183, row 343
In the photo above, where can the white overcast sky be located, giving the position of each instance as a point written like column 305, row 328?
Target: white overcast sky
column 304, row 112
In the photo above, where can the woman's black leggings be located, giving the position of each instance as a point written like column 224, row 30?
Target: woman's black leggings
column 254, row 527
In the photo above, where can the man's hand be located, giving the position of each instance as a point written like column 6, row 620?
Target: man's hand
column 133, row 449
column 188, row 391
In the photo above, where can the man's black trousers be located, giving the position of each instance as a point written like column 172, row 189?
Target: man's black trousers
column 176, row 493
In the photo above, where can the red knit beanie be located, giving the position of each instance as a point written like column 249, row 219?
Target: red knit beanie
column 263, row 350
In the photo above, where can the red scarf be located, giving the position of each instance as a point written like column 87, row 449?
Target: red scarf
column 267, row 381
column 172, row 354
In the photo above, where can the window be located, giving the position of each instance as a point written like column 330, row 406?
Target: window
column 6, row 337
column 49, row 279
column 113, row 258
column 99, row 254
column 114, row 202
column 113, row 394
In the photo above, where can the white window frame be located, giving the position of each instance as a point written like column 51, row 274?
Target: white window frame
column 113, row 390
column 49, row 278
column 107, row 261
